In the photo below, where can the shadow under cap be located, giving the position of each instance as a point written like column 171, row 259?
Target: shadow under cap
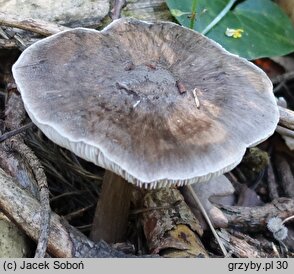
column 112, row 98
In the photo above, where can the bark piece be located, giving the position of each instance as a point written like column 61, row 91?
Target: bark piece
column 243, row 246
column 170, row 227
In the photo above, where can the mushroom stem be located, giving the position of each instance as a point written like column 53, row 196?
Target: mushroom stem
column 111, row 215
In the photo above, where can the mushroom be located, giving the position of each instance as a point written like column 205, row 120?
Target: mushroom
column 155, row 103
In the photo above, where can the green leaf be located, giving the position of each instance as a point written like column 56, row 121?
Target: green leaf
column 267, row 30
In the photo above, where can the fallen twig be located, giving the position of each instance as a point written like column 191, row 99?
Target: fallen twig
column 285, row 131
column 3, row 34
column 15, row 114
column 33, row 25
column 172, row 232
column 7, row 44
column 243, row 246
column 284, row 77
column 13, row 44
column 254, row 219
column 286, row 117
column 33, row 162
column 285, row 175
column 14, row 132
column 116, row 10
column 271, row 182
column 64, row 240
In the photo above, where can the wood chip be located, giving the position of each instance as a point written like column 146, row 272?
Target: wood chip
column 181, row 87
column 195, row 97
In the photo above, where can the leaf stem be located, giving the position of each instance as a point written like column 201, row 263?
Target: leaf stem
column 193, row 14
column 218, row 17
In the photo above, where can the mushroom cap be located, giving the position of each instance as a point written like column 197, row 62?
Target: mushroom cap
column 122, row 98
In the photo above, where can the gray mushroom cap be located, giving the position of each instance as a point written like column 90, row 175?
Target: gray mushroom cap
column 112, row 98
